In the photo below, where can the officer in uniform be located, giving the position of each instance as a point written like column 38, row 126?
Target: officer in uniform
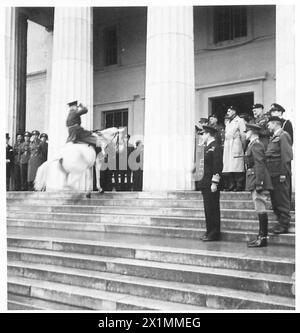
column 76, row 131
column 279, row 155
column 220, row 136
column 24, row 158
column 9, row 160
column 44, row 139
column 35, row 159
column 209, row 183
column 258, row 181
column 17, row 169
column 261, row 119
column 277, row 110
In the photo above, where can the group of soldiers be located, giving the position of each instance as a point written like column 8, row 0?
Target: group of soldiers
column 23, row 159
column 265, row 153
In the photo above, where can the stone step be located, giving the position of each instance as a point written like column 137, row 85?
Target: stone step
column 177, row 195
column 87, row 298
column 93, row 213
column 242, row 235
column 186, row 293
column 80, row 245
column 18, row 302
column 229, row 204
column 34, row 266
column 163, row 222
column 174, row 195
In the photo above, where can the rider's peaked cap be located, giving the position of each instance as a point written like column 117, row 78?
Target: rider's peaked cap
column 73, row 103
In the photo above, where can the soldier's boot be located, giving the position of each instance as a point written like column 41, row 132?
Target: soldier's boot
column 261, row 239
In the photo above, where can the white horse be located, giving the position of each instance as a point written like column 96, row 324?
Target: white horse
column 73, row 161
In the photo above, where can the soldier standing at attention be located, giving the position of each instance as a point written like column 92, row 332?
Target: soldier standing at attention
column 9, row 159
column 36, row 158
column 209, row 183
column 277, row 111
column 261, row 119
column 279, row 155
column 24, row 158
column 258, row 181
column 44, row 139
column 17, row 169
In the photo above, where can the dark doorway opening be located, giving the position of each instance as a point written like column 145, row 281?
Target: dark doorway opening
column 242, row 101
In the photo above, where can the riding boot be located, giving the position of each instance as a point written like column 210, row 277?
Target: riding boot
column 261, row 240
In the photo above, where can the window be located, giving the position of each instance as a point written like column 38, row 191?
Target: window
column 116, row 118
column 110, row 46
column 230, row 22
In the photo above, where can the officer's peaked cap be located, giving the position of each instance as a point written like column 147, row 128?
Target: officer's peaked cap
column 73, row 103
column 277, row 107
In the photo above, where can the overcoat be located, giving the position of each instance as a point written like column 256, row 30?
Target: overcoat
column 233, row 145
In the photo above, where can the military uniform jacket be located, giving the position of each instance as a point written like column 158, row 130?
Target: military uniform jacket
column 44, row 151
column 264, row 133
column 73, row 123
column 257, row 173
column 279, row 154
column 24, row 152
column 36, row 158
column 213, row 165
column 17, row 152
column 288, row 127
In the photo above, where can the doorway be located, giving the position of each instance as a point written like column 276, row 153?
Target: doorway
column 242, row 101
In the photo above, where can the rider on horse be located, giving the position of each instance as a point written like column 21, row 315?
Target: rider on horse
column 76, row 132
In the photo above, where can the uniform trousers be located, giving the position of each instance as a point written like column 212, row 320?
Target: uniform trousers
column 280, row 199
column 212, row 212
column 24, row 171
column 17, row 177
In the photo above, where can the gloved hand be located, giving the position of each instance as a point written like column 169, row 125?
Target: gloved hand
column 282, row 178
column 259, row 188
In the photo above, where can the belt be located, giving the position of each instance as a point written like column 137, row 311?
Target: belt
column 75, row 125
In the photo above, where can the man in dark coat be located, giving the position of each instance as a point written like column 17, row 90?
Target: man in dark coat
column 9, row 160
column 213, row 166
column 258, row 181
column 261, row 119
column 16, row 167
column 35, row 159
column 76, row 132
column 44, row 139
column 220, row 136
column 279, row 155
column 277, row 110
column 24, row 158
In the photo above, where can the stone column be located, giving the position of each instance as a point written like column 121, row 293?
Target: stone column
column 285, row 58
column 16, row 70
column 170, row 95
column 72, row 74
column 285, row 63
column 49, row 43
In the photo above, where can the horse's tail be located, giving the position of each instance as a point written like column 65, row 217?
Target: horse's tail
column 41, row 176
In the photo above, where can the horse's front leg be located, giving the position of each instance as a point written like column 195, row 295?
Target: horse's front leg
column 98, row 169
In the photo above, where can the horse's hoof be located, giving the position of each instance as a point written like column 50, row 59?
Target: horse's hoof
column 88, row 195
column 101, row 192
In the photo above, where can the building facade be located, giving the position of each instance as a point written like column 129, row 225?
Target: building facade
column 154, row 70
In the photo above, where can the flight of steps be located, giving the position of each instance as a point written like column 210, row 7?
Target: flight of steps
column 142, row 251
